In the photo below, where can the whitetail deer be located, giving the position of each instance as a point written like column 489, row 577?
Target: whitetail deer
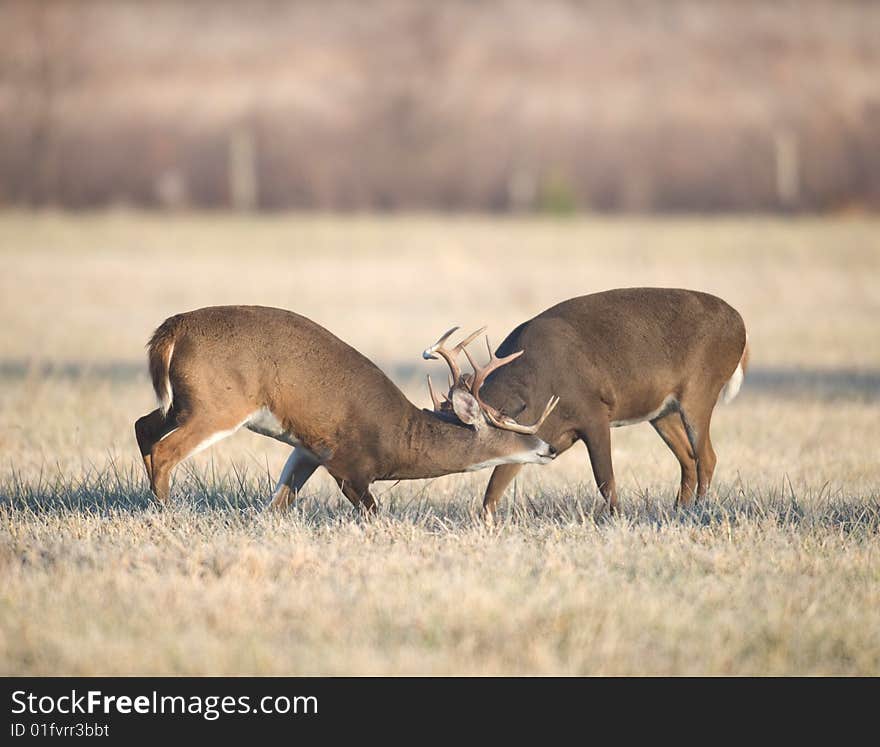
column 618, row 358
column 218, row 369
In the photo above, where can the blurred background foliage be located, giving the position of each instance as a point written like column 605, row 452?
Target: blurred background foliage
column 501, row 105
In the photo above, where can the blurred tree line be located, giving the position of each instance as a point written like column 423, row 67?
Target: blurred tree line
column 503, row 105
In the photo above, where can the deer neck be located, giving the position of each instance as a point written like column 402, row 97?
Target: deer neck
column 429, row 447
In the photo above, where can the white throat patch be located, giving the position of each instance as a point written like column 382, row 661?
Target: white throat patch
column 524, row 457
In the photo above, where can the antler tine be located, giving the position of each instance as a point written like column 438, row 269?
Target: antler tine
column 511, row 425
column 498, row 419
column 439, row 349
column 482, row 372
column 434, row 398
column 430, row 353
column 470, row 338
column 551, row 405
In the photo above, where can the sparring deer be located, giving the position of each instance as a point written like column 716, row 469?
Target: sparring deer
column 616, row 358
column 219, row 369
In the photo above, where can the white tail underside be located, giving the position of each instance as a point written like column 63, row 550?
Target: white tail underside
column 732, row 387
column 167, row 395
column 735, row 382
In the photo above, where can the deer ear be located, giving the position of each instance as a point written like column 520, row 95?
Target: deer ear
column 466, row 407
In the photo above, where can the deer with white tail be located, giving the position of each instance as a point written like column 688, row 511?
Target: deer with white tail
column 658, row 355
column 219, row 369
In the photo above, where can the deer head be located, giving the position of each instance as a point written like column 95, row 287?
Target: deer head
column 463, row 398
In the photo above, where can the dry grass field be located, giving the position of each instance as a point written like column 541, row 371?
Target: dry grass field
column 778, row 572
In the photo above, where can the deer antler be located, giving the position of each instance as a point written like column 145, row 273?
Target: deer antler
column 438, row 403
column 498, row 419
column 439, row 350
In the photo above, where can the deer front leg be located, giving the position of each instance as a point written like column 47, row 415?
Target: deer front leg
column 299, row 467
column 597, row 436
column 359, row 495
column 502, row 476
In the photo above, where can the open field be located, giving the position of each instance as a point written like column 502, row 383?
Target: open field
column 777, row 573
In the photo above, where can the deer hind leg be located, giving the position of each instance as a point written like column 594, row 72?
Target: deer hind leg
column 696, row 416
column 502, row 476
column 299, row 467
column 150, row 429
column 193, row 433
column 597, row 437
column 672, row 431
column 705, row 464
